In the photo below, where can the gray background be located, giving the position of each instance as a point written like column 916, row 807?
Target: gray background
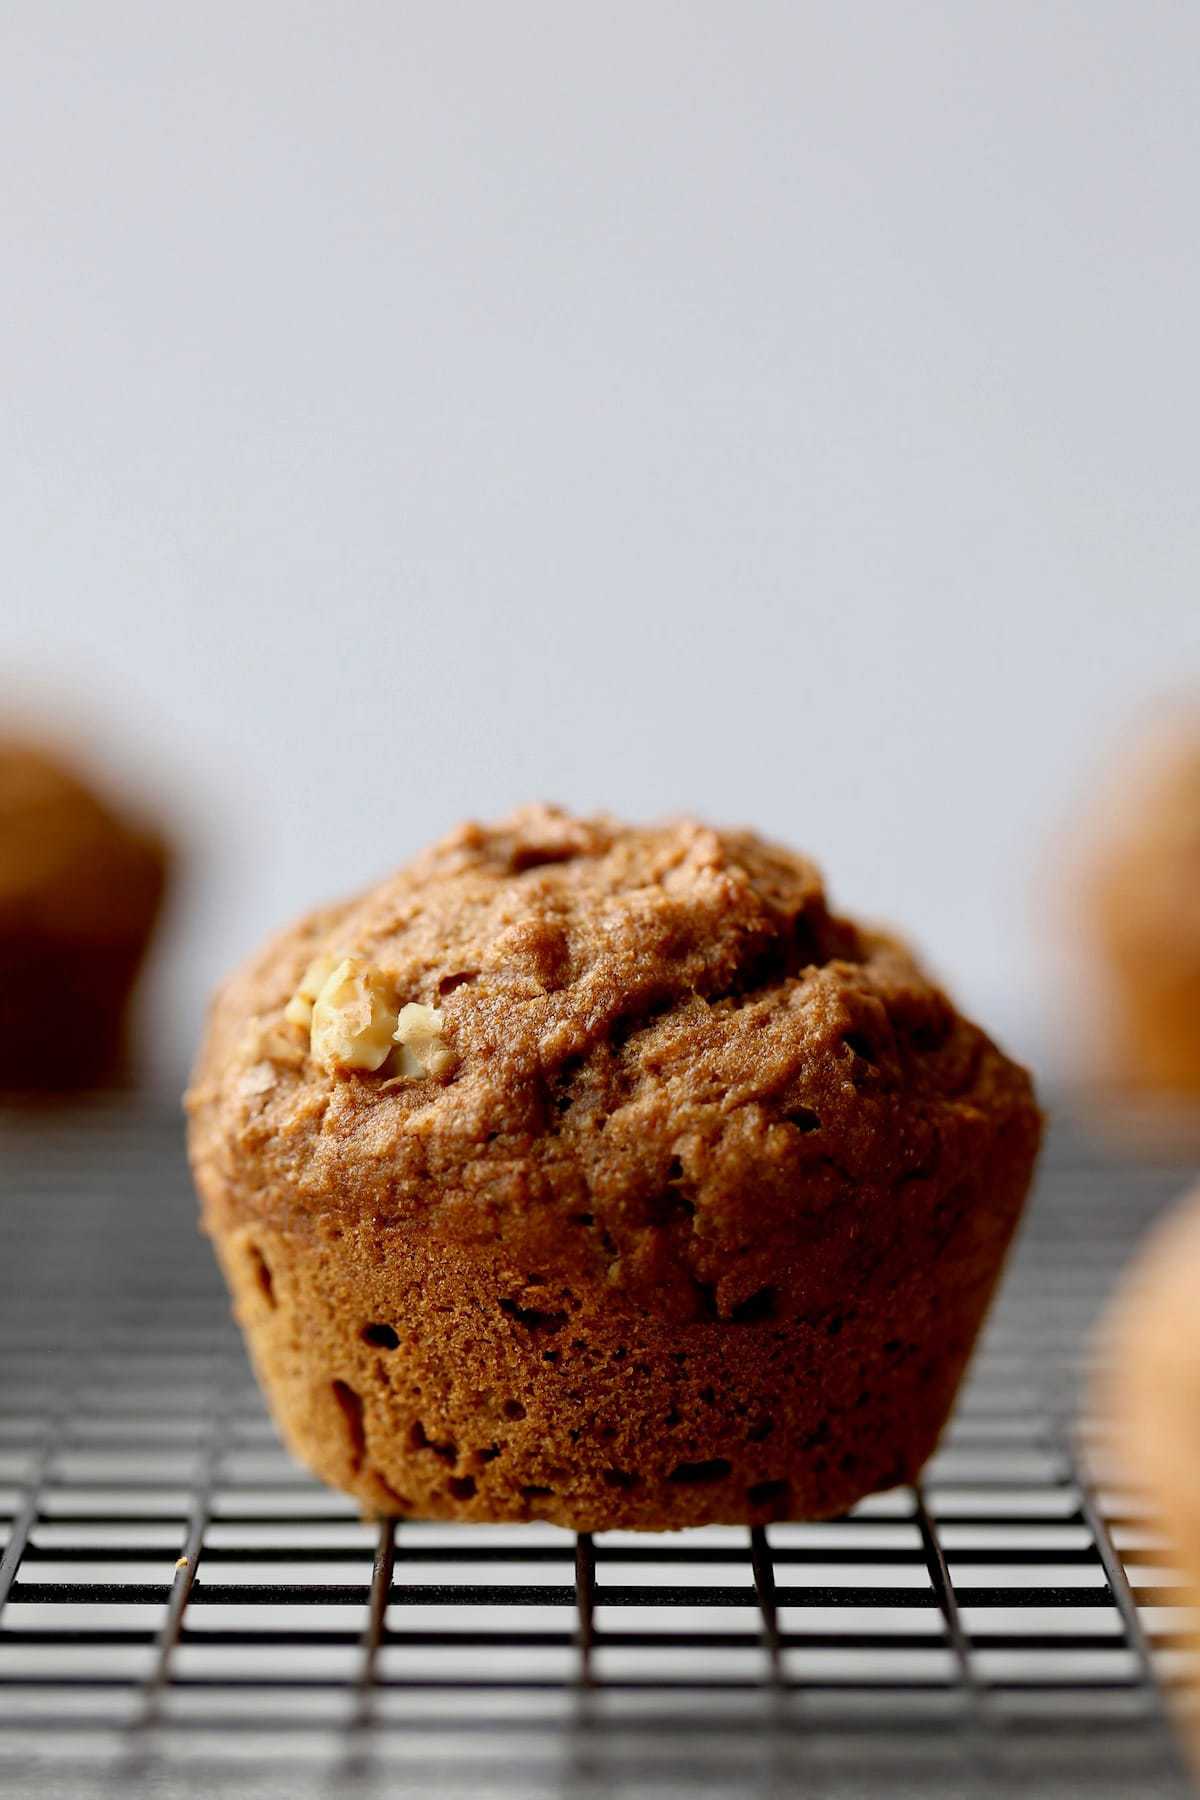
column 783, row 411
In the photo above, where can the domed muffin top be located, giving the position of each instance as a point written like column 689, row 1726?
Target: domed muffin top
column 69, row 866
column 655, row 1045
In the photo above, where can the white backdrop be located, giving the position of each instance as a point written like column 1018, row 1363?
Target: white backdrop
column 784, row 411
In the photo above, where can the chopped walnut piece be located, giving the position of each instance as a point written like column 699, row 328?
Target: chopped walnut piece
column 418, row 1031
column 299, row 1009
column 352, row 1017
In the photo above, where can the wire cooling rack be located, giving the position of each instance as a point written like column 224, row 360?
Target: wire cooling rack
column 184, row 1612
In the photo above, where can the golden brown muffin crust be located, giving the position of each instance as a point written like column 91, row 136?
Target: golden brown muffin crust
column 661, row 1030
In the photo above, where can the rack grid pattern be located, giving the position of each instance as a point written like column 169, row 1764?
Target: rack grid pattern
column 183, row 1610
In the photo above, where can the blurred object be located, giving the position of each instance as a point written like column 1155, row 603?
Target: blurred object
column 1150, row 1394
column 1139, row 926
column 80, row 890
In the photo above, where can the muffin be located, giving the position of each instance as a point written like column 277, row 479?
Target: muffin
column 1143, row 910
column 80, row 889
column 1150, row 1396
column 602, row 1175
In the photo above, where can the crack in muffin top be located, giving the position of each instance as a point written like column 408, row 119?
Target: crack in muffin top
column 659, row 1033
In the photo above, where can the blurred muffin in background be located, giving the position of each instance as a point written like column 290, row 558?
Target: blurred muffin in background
column 1148, row 1400
column 80, row 889
column 1140, row 922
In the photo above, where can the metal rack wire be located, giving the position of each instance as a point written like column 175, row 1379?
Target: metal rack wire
column 184, row 1611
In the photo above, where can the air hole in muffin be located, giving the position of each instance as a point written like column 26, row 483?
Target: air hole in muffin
column 672, row 1417
column 858, row 1045
column 351, row 1407
column 675, row 1170
column 767, row 968
column 620, row 1478
column 420, row 1440
column 804, row 1119
column 512, row 1409
column 540, row 856
column 774, row 1494
column 834, row 1326
column 760, row 1430
column 638, row 1018
column 709, row 1396
column 562, row 1087
column 583, row 1218
column 534, row 1491
column 923, row 1172
column 533, row 1319
column 400, row 1501
column 806, row 950
column 381, row 1336
column 461, row 1486
column 892, row 1345
column 262, row 1274
column 694, row 1473
column 482, row 1457
column 449, row 984
column 757, row 1306
column 669, row 1205
column 706, row 1299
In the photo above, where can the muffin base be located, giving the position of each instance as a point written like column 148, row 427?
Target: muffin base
column 435, row 1379
column 64, row 1011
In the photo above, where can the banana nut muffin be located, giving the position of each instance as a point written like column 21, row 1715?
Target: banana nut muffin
column 1149, row 1395
column 80, row 889
column 602, row 1175
column 1143, row 913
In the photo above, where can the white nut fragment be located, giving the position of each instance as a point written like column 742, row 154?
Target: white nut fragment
column 261, row 1041
column 346, row 1006
column 352, row 1017
column 418, row 1032
column 299, row 1009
